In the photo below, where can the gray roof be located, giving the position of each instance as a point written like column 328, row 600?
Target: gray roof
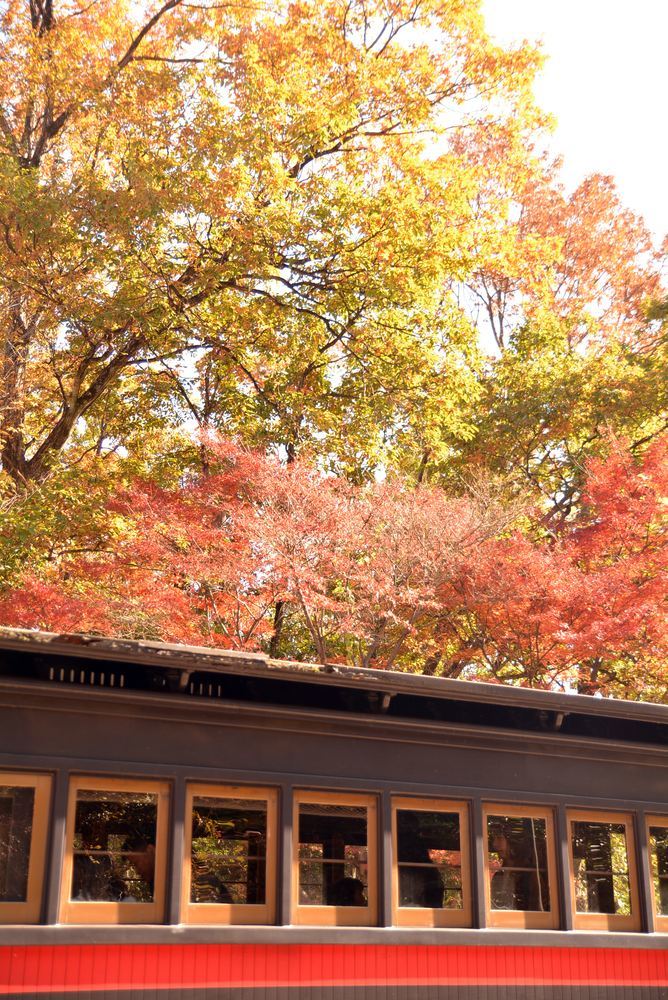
column 189, row 659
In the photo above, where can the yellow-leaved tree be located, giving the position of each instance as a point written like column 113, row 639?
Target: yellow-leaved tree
column 248, row 215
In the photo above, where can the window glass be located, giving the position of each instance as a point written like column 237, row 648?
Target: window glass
column 429, row 859
column 601, row 868
column 17, row 805
column 658, row 845
column 229, row 850
column 517, row 862
column 333, row 858
column 114, row 847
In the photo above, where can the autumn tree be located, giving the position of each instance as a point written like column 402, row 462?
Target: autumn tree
column 358, row 566
column 227, row 211
column 585, row 608
column 564, row 300
column 328, row 239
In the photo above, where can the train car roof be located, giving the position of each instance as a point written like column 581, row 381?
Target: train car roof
column 193, row 671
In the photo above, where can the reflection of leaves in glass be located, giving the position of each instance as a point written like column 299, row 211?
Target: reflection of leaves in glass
column 311, row 892
column 658, row 844
column 355, row 856
column 601, row 868
column 106, row 818
column 517, row 863
column 581, row 885
column 620, row 867
column 452, row 877
column 451, row 858
column 16, row 812
column 229, row 849
column 114, row 833
column 622, row 894
column 453, row 899
column 310, row 851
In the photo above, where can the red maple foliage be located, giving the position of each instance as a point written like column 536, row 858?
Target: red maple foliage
column 383, row 574
column 586, row 609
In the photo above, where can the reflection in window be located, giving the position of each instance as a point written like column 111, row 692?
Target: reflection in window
column 517, row 862
column 429, row 859
column 16, row 813
column 658, row 845
column 229, row 850
column 114, row 847
column 333, row 859
column 600, row 859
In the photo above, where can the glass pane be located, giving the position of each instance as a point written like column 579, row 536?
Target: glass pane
column 517, row 860
column 333, row 858
column 601, row 866
column 16, row 812
column 658, row 845
column 114, row 847
column 429, row 859
column 229, row 851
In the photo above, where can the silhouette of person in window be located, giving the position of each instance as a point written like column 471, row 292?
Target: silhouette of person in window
column 346, row 892
column 207, row 887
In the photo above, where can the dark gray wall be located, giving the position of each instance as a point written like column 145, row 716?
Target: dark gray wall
column 64, row 729
column 158, row 734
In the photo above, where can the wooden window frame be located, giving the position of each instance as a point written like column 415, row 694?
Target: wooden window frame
column 29, row 911
column 660, row 921
column 95, row 912
column 422, row 916
column 345, row 916
column 606, row 921
column 232, row 913
column 525, row 919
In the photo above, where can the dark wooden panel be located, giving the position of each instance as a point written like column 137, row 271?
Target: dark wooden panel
column 181, row 734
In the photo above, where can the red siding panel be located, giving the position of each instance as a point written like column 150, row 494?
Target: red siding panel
column 78, row 968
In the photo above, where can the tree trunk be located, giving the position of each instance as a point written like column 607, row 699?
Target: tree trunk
column 424, row 462
column 279, row 618
column 588, row 677
column 280, row 606
column 13, row 363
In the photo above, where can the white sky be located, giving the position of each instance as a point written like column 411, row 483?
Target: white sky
column 606, row 81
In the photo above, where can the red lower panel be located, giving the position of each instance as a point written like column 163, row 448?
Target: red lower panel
column 78, row 968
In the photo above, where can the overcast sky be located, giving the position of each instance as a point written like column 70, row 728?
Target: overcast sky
column 606, row 80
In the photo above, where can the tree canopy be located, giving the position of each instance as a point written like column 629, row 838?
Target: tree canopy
column 305, row 346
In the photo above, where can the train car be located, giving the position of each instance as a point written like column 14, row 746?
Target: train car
column 189, row 823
